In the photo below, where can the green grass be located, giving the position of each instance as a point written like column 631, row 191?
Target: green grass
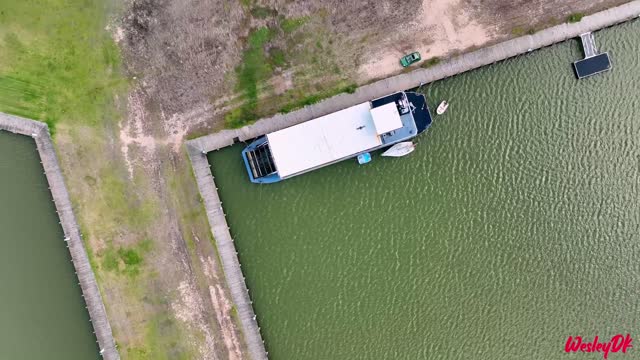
column 277, row 57
column 56, row 62
column 312, row 99
column 125, row 260
column 162, row 342
column 430, row 62
column 261, row 12
column 574, row 18
column 520, row 31
column 258, row 66
column 119, row 205
column 254, row 68
column 290, row 25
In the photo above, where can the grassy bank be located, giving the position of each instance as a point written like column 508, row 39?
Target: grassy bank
column 56, row 62
column 59, row 65
column 286, row 64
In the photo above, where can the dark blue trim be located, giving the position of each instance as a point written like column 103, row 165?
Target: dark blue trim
column 421, row 114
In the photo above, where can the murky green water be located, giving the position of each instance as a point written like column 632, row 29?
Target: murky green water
column 514, row 224
column 42, row 313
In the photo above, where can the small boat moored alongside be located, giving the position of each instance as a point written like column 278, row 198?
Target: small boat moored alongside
column 400, row 149
column 442, row 107
column 364, row 158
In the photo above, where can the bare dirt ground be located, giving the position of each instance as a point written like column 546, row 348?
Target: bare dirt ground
column 185, row 59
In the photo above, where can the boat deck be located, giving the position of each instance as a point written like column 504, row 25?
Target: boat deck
column 421, row 114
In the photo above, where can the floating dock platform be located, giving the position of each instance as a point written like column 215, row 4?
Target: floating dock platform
column 593, row 63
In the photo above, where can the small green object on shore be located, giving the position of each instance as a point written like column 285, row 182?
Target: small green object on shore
column 410, row 59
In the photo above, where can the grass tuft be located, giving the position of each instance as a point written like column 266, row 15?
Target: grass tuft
column 125, row 260
column 574, row 18
column 290, row 25
column 430, row 62
column 277, row 57
column 260, row 12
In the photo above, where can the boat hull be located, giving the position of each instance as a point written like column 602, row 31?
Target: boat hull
column 400, row 149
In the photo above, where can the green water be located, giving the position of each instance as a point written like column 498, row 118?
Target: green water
column 42, row 313
column 513, row 225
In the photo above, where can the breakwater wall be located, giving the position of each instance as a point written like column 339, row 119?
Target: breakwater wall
column 72, row 236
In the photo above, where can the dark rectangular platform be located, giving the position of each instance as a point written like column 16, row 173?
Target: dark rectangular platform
column 592, row 65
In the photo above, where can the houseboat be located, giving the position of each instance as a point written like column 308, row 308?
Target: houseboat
column 337, row 136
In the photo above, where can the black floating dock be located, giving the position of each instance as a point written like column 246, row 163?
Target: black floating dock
column 593, row 63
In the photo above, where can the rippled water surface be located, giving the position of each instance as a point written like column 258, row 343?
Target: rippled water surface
column 42, row 313
column 513, row 225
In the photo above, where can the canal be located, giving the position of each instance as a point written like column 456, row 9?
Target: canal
column 42, row 313
column 514, row 224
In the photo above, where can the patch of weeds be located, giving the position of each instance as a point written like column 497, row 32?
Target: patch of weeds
column 290, row 25
column 349, row 89
column 518, row 31
column 575, row 17
column 119, row 205
column 110, row 260
column 163, row 341
column 430, row 62
column 125, row 260
column 239, row 117
column 277, row 57
column 312, row 99
column 260, row 12
column 254, row 68
column 129, row 257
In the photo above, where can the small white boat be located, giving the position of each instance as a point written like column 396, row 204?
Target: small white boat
column 442, row 107
column 400, row 149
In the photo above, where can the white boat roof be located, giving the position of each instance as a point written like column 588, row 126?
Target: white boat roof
column 323, row 140
column 386, row 118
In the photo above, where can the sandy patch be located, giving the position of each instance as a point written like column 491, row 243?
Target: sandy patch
column 442, row 27
column 223, row 308
column 132, row 132
column 189, row 309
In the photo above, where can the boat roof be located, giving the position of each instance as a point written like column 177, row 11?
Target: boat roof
column 386, row 118
column 323, row 140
